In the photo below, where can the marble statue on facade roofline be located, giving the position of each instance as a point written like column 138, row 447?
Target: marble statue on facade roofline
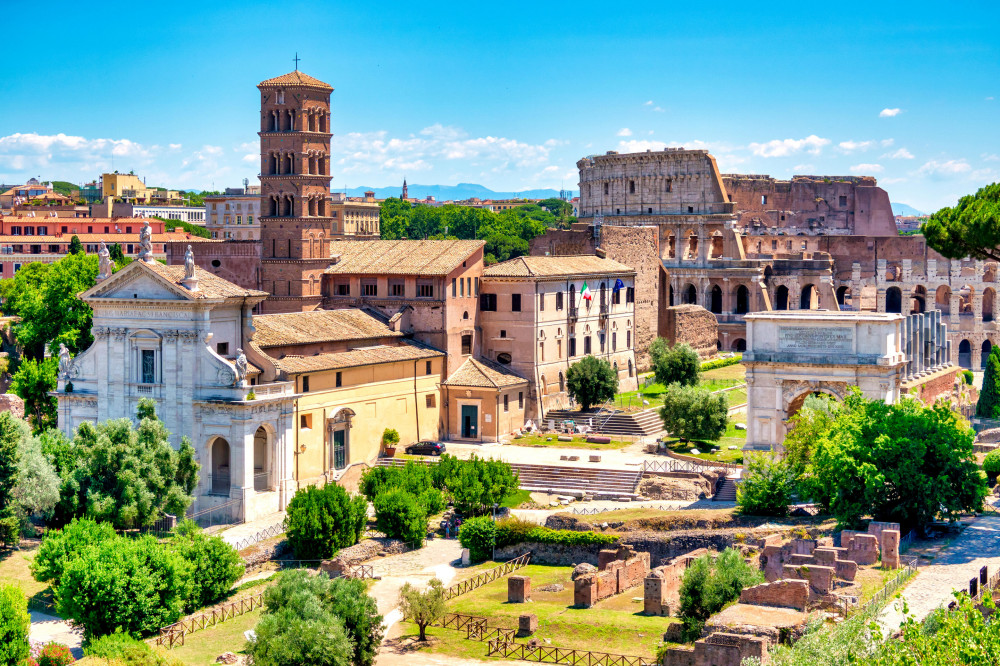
column 105, row 264
column 146, row 243
column 190, row 281
column 65, row 363
column 241, row 368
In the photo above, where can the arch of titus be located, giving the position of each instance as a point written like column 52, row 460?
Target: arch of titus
column 792, row 354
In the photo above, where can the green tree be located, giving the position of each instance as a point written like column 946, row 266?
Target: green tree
column 10, row 439
column 37, row 489
column 708, row 585
column 399, row 516
column 989, row 397
column 479, row 536
column 124, row 475
column 475, row 485
column 766, row 488
column 422, row 607
column 905, row 463
column 14, row 624
column 321, row 521
column 970, row 229
column 117, row 254
column 75, row 246
column 674, row 365
column 133, row 584
column 591, row 381
column 146, row 409
column 33, row 382
column 58, row 547
column 690, row 413
column 215, row 566
column 123, row 650
column 805, row 428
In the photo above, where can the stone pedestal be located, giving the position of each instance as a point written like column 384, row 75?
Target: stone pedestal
column 527, row 624
column 890, row 549
column 466, row 558
column 518, row 589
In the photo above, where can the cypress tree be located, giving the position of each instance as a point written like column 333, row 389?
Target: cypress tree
column 989, row 397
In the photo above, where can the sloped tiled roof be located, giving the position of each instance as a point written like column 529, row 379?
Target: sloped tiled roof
column 408, row 351
column 296, row 328
column 295, row 78
column 484, row 373
column 400, row 257
column 584, row 264
column 209, row 286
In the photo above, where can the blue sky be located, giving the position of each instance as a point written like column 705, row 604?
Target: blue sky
column 512, row 95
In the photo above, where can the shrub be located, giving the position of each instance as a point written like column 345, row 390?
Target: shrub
column 479, row 536
column 124, row 650
column 708, row 585
column 390, row 438
column 321, row 521
column 693, row 413
column 136, row 585
column 591, row 381
column 59, row 547
column 766, row 488
column 989, row 396
column 511, row 532
column 422, row 607
column 721, row 362
column 215, row 566
column 415, row 478
column 14, row 624
column 475, row 485
column 399, row 516
column 991, row 463
column 345, row 598
column 968, row 376
column 674, row 365
column 55, row 654
column 432, row 500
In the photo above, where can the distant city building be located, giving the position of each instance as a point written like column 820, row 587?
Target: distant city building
column 354, row 217
column 189, row 214
column 20, row 194
column 910, row 222
column 233, row 216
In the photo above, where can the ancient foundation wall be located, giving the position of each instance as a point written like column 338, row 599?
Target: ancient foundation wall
column 694, row 325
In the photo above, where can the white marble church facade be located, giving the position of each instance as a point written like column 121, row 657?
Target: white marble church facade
column 175, row 334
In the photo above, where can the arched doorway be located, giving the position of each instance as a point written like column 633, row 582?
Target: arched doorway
column 843, row 294
column 690, row 296
column 339, row 437
column 965, row 354
column 220, row 480
column 986, row 349
column 796, row 404
column 809, row 298
column 942, row 299
column 715, row 299
column 893, row 300
column 781, row 298
column 739, row 345
column 262, row 461
column 742, row 299
column 918, row 300
column 989, row 303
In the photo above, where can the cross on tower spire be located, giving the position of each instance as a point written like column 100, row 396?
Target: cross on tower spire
column 296, row 61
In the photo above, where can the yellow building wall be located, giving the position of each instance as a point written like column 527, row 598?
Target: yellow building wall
column 381, row 396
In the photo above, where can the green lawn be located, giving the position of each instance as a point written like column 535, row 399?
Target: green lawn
column 733, row 437
column 579, row 442
column 14, row 570
column 712, row 380
column 516, row 499
column 614, row 625
column 202, row 647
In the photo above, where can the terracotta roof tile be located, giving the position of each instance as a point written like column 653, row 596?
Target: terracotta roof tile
column 408, row 351
column 298, row 328
column 400, row 257
column 209, row 286
column 484, row 373
column 568, row 266
column 295, row 78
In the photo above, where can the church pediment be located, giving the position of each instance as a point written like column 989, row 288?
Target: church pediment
column 137, row 281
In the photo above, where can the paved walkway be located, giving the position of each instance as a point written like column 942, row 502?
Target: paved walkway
column 46, row 628
column 954, row 565
column 239, row 532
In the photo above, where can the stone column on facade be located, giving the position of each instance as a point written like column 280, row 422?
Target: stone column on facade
column 727, row 297
column 931, row 270
column 794, row 295
column 880, row 299
column 702, row 246
column 171, row 404
column 947, row 345
column 918, row 347
column 977, row 308
column 907, row 346
column 680, row 244
column 954, row 307
column 977, row 355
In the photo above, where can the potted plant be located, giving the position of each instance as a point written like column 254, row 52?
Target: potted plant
column 991, row 465
column 390, row 438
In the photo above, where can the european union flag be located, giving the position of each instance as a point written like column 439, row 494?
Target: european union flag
column 619, row 284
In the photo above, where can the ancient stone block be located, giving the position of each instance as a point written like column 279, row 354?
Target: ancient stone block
column 518, row 589
column 334, row 568
column 825, row 555
column 820, row 578
column 585, row 591
column 863, row 549
column 878, row 528
column 653, row 602
column 788, row 593
column 890, row 549
column 527, row 624
column 846, row 569
column 694, row 325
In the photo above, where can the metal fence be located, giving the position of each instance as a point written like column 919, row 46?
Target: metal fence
column 874, row 604
column 475, row 582
column 678, row 465
column 229, row 513
column 556, row 655
column 266, row 533
column 674, row 495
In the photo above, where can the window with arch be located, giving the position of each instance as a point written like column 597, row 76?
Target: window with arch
column 504, row 358
column 465, row 315
column 562, row 382
column 631, row 187
column 605, row 189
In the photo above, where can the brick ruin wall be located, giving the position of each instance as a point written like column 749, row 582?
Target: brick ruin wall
column 619, row 570
column 692, row 324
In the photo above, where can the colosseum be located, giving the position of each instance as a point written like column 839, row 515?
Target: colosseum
column 736, row 244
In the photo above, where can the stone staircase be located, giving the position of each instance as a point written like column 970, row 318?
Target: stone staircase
column 726, row 491
column 639, row 424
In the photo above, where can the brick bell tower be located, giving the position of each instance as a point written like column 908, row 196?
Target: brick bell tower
column 295, row 179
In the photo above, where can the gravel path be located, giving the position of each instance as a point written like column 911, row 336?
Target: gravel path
column 46, row 628
column 978, row 545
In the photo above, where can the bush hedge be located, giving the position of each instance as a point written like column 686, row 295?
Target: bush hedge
column 215, row 567
column 722, row 362
column 124, row 650
column 14, row 624
column 479, row 536
column 321, row 521
column 61, row 546
column 511, row 535
column 991, row 463
column 400, row 516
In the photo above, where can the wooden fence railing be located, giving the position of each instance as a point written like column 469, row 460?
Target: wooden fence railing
column 476, row 582
column 556, row 655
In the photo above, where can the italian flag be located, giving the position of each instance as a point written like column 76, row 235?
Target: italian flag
column 585, row 293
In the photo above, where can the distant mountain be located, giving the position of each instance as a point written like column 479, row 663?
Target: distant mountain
column 908, row 211
column 453, row 192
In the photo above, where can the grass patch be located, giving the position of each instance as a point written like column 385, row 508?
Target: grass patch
column 578, row 442
column 614, row 625
column 202, row 647
column 712, row 380
column 15, row 570
column 733, row 437
column 516, row 498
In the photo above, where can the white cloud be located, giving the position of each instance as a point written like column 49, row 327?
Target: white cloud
column 802, row 168
column 658, row 109
column 887, row 142
column 650, row 102
column 990, row 98
column 891, row 181
column 174, row 146
column 947, row 169
column 251, row 157
column 889, row 113
column 990, row 157
column 785, row 147
column 852, row 146
column 865, row 169
column 899, row 154
column 624, row 132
